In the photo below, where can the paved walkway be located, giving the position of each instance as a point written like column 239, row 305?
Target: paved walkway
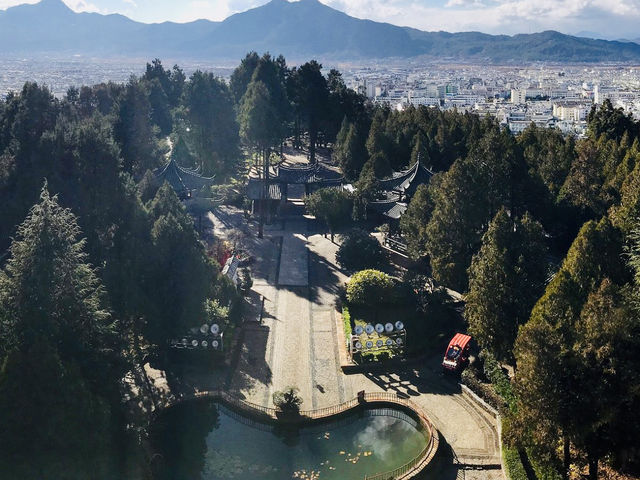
column 297, row 275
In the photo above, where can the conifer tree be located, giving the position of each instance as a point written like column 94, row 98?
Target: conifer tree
column 413, row 222
column 607, row 339
column 183, row 277
column 61, row 355
column 546, row 374
column 506, row 278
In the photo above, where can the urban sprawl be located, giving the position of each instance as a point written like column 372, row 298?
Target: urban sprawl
column 559, row 96
column 549, row 96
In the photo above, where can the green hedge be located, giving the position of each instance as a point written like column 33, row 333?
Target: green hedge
column 346, row 320
column 513, row 464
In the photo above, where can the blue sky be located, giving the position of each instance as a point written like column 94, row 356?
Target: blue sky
column 609, row 18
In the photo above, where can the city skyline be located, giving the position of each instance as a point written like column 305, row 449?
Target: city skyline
column 611, row 19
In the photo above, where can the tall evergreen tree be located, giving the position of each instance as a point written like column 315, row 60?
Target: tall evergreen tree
column 61, row 354
column 415, row 220
column 349, row 151
column 261, row 128
column 183, row 277
column 608, row 400
column 310, row 96
column 212, row 119
column 242, row 75
column 546, row 377
column 506, row 278
column 133, row 130
column 467, row 198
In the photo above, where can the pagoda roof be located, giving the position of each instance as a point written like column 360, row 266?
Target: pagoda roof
column 389, row 208
column 183, row 180
column 407, row 181
column 317, row 173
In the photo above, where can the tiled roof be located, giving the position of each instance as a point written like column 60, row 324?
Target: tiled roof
column 317, row 173
column 407, row 181
column 389, row 208
column 182, row 179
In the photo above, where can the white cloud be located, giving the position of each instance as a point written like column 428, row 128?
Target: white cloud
column 214, row 9
column 464, row 3
column 83, row 6
column 610, row 17
column 76, row 5
column 12, row 3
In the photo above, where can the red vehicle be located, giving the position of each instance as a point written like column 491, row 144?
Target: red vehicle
column 456, row 356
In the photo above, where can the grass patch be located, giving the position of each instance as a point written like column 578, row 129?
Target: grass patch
column 382, row 314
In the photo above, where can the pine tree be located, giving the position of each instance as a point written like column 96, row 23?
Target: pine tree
column 625, row 215
column 260, row 128
column 506, row 278
column 349, row 151
column 183, row 277
column 49, row 291
column 546, row 375
column 134, row 132
column 61, row 355
column 210, row 112
column 607, row 339
column 413, row 223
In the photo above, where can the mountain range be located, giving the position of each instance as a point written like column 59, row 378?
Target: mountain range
column 299, row 30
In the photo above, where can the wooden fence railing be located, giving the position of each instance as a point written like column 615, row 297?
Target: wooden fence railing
column 404, row 472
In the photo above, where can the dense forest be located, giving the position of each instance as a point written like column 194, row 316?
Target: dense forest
column 103, row 265
column 540, row 232
column 100, row 264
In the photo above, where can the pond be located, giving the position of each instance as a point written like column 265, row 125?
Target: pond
column 203, row 440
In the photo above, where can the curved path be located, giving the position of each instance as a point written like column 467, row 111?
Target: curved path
column 296, row 344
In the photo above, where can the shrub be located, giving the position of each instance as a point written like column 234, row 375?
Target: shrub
column 245, row 281
column 346, row 320
column 288, row 400
column 359, row 251
column 369, row 288
column 498, row 378
column 513, row 464
column 483, row 390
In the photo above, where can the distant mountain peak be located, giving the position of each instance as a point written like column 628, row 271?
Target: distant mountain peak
column 54, row 5
column 299, row 29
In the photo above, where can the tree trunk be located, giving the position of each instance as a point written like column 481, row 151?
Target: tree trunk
column 593, row 466
column 566, row 462
column 313, row 138
column 265, row 190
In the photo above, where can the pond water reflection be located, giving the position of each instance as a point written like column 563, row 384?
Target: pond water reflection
column 202, row 440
